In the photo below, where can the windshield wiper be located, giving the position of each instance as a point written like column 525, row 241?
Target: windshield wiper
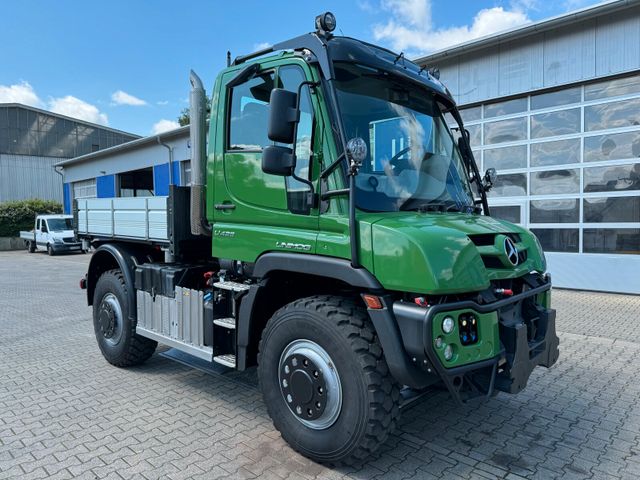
column 430, row 206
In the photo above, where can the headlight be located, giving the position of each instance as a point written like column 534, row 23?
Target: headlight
column 448, row 352
column 447, row 325
column 57, row 240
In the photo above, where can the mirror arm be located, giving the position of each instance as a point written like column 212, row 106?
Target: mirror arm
column 325, row 173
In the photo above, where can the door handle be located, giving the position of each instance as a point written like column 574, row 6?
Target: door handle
column 225, row 206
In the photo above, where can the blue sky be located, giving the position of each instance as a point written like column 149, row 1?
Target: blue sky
column 126, row 63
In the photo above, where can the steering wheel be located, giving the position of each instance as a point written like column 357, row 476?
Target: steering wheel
column 398, row 163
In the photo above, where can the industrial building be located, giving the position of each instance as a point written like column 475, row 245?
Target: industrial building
column 135, row 169
column 32, row 141
column 554, row 106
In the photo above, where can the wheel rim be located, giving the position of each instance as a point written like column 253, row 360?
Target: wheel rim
column 310, row 384
column 110, row 319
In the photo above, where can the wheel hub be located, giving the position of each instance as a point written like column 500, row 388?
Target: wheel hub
column 110, row 319
column 304, row 384
column 310, row 384
column 107, row 320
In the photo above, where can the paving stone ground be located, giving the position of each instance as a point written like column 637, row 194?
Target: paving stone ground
column 66, row 413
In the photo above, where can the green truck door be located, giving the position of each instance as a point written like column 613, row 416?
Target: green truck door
column 255, row 212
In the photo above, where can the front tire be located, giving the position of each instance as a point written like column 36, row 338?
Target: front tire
column 50, row 251
column 115, row 331
column 325, row 380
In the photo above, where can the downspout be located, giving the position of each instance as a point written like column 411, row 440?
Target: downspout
column 197, row 109
column 160, row 142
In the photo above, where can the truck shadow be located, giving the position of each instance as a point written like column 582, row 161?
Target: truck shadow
column 434, row 434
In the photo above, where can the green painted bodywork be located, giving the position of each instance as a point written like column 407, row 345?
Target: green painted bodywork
column 487, row 346
column 423, row 253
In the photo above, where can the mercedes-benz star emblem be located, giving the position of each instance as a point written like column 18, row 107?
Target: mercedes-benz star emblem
column 511, row 251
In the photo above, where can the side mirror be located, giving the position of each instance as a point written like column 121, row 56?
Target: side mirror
column 278, row 160
column 489, row 178
column 283, row 115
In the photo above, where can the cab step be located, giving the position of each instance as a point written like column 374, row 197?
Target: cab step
column 233, row 286
column 228, row 360
column 228, row 322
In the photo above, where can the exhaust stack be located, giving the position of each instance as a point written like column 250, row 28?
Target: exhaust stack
column 197, row 129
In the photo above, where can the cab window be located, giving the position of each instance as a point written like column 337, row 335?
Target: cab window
column 249, row 114
column 290, row 77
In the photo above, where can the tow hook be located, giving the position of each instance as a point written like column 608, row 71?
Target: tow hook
column 504, row 291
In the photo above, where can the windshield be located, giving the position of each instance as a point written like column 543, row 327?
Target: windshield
column 412, row 162
column 59, row 224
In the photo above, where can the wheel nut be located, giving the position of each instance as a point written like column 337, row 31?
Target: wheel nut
column 289, row 398
column 315, row 373
column 294, row 362
column 320, row 390
column 299, row 410
column 286, row 369
column 305, row 362
column 285, row 384
column 318, row 405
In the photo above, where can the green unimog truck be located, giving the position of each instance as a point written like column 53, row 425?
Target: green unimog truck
column 336, row 234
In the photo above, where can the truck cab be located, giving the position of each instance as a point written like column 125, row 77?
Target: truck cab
column 337, row 235
column 53, row 234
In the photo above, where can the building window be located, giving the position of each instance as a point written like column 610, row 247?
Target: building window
column 508, row 107
column 558, row 152
column 551, row 182
column 558, row 239
column 564, row 122
column 510, row 130
column 85, row 189
column 612, row 240
column 510, row 213
column 137, row 183
column 562, row 210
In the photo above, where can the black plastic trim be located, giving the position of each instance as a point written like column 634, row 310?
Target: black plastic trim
column 127, row 258
column 330, row 267
column 402, row 369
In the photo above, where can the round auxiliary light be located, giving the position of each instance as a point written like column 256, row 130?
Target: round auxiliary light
column 439, row 342
column 447, row 325
column 326, row 22
column 448, row 352
column 358, row 149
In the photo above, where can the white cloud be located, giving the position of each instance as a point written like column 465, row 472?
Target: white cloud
column 20, row 93
column 164, row 125
column 123, row 98
column 163, row 102
column 76, row 108
column 260, row 46
column 411, row 28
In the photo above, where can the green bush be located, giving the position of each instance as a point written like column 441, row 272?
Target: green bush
column 21, row 214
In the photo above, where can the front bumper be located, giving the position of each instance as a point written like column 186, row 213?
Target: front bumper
column 67, row 247
column 527, row 339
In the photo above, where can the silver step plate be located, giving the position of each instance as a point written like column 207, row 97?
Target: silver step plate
column 233, row 286
column 229, row 323
column 228, row 360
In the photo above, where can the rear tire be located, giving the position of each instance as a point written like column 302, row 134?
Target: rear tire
column 368, row 395
column 31, row 247
column 115, row 331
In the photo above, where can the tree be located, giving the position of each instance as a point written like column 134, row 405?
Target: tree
column 183, row 119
